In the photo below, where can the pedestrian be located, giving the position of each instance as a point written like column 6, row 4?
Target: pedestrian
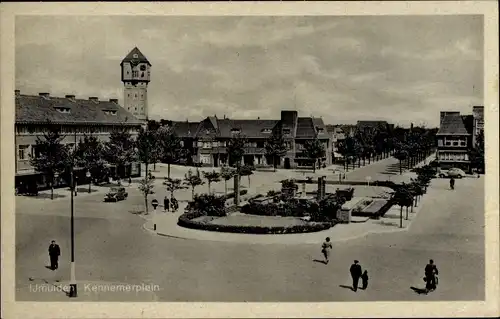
column 166, row 204
column 431, row 272
column 54, row 253
column 364, row 279
column 452, row 183
column 175, row 204
column 129, row 181
column 355, row 274
column 326, row 248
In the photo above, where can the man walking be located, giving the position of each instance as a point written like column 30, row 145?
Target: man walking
column 356, row 272
column 54, row 253
column 452, row 183
column 430, row 276
column 166, row 204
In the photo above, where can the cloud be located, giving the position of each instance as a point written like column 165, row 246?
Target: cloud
column 340, row 68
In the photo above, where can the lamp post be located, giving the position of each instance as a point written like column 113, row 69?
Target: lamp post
column 88, row 175
column 154, row 203
column 72, row 284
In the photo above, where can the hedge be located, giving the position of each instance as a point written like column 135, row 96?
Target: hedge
column 185, row 220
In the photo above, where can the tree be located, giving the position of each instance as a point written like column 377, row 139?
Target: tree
column 477, row 153
column 90, row 155
column 146, row 145
column 193, row 180
column 120, row 149
column 211, row 177
column 314, row 150
column 171, row 150
column 155, row 154
column 146, row 186
column 173, row 184
column 403, row 197
column 236, row 149
column 275, row 147
column 245, row 170
column 226, row 173
column 52, row 156
column 346, row 148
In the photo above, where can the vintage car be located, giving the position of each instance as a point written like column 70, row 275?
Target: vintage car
column 115, row 194
column 452, row 172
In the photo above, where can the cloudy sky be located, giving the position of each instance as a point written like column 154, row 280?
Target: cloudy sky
column 401, row 68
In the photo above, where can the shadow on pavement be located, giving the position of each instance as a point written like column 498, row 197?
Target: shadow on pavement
column 419, row 291
column 46, row 196
column 319, row 261
column 346, row 287
column 85, row 190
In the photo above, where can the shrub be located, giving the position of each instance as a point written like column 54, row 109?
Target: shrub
column 231, row 194
column 272, row 193
column 289, row 183
column 209, row 205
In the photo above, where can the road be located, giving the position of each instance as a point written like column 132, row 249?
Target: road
column 111, row 246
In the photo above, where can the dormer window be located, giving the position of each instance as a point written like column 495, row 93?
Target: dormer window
column 266, row 130
column 65, row 110
column 110, row 112
column 235, row 130
column 319, row 130
column 286, row 131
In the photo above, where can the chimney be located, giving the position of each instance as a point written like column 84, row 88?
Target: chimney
column 44, row 94
column 114, row 101
column 70, row 97
column 17, row 92
column 94, row 99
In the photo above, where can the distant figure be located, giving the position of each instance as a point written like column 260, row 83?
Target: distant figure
column 129, row 181
column 355, row 274
column 54, row 253
column 452, row 183
column 364, row 279
column 431, row 272
column 175, row 204
column 326, row 248
column 166, row 204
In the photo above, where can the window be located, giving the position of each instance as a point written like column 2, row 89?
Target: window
column 455, row 143
column 286, row 131
column 235, row 130
column 135, row 56
column 22, row 152
column 63, row 110
column 260, row 144
column 440, row 142
column 142, row 74
column 136, row 95
column 266, row 130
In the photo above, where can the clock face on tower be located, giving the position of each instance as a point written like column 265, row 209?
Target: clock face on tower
column 143, row 67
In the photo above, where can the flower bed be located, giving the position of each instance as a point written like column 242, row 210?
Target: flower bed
column 186, row 220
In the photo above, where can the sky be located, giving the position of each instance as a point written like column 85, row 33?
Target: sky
column 403, row 69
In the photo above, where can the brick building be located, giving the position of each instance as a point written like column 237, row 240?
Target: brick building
column 457, row 136
column 75, row 117
column 208, row 139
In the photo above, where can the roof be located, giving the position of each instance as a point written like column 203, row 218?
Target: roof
column 248, row 128
column 454, row 124
column 135, row 59
column 37, row 109
column 185, row 128
column 371, row 124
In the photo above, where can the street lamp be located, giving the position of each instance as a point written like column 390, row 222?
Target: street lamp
column 72, row 284
column 154, row 203
column 90, row 180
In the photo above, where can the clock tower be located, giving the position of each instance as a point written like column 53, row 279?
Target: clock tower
column 135, row 77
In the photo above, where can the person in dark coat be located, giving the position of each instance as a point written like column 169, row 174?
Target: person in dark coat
column 175, row 204
column 452, row 183
column 355, row 274
column 54, row 253
column 364, row 279
column 430, row 276
column 166, row 204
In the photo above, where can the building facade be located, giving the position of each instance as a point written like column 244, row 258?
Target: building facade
column 207, row 139
column 456, row 137
column 36, row 114
column 136, row 75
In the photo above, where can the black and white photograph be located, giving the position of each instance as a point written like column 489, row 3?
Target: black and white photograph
column 250, row 158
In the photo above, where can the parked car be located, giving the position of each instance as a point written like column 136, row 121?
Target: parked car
column 452, row 172
column 115, row 194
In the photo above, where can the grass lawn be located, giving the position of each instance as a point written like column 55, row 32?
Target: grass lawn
column 251, row 220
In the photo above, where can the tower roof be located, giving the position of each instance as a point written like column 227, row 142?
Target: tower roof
column 135, row 56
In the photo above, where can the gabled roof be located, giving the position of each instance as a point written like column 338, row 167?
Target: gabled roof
column 36, row 109
column 455, row 124
column 135, row 59
column 248, row 128
column 185, row 129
